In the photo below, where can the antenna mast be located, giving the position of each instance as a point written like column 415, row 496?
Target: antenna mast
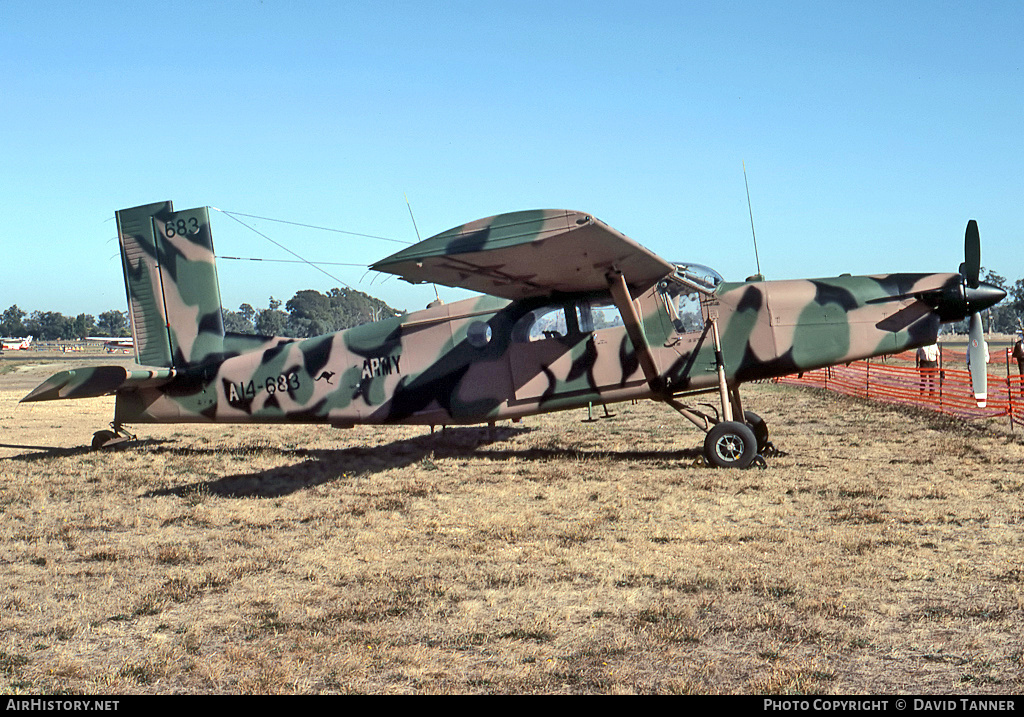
column 408, row 204
column 751, row 210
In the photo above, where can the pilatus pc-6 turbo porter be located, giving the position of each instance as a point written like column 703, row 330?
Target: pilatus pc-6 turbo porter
column 574, row 314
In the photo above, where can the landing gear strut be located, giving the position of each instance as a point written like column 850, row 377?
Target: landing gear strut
column 729, row 443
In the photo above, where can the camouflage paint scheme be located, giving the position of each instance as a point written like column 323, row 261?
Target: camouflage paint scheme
column 476, row 361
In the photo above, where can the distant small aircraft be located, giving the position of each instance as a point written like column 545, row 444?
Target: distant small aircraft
column 575, row 314
column 114, row 342
column 15, row 343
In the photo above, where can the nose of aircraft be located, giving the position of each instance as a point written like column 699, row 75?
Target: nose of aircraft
column 981, row 297
column 959, row 300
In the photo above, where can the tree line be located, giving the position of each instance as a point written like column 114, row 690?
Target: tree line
column 308, row 313
column 54, row 326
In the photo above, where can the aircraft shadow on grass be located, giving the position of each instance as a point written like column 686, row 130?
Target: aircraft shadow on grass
column 44, row 452
column 327, row 465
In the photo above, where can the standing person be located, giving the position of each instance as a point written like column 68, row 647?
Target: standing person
column 927, row 361
column 1018, row 353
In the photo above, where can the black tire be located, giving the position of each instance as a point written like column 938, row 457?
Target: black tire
column 730, row 444
column 759, row 427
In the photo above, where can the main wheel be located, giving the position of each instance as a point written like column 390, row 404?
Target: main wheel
column 730, row 444
column 759, row 427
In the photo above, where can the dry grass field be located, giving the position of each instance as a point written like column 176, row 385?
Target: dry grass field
column 882, row 553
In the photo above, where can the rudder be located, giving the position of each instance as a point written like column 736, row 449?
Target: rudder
column 170, row 275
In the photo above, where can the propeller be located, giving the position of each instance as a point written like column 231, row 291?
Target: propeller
column 976, row 295
column 966, row 299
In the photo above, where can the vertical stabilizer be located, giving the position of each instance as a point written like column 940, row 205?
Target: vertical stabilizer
column 170, row 276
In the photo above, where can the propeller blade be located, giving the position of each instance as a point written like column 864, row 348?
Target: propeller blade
column 977, row 356
column 971, row 268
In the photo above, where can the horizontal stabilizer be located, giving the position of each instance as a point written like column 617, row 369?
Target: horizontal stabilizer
column 525, row 254
column 96, row 381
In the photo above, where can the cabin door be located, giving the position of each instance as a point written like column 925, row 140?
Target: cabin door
column 571, row 350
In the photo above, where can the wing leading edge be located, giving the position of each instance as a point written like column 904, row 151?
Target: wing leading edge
column 526, row 254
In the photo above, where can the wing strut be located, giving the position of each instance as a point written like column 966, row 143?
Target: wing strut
column 723, row 386
column 634, row 328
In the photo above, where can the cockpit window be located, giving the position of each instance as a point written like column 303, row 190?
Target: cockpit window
column 703, row 276
column 682, row 292
column 683, row 308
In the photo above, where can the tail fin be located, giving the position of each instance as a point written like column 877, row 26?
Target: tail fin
column 170, row 275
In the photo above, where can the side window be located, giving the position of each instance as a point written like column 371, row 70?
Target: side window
column 596, row 315
column 548, row 322
column 549, row 325
column 560, row 322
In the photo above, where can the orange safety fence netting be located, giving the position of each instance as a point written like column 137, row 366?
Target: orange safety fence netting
column 895, row 379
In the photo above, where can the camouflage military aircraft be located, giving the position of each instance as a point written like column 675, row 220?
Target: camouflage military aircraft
column 574, row 314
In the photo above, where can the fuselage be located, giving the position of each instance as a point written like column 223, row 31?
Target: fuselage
column 486, row 359
column 16, row 344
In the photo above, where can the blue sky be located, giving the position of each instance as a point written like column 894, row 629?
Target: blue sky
column 871, row 132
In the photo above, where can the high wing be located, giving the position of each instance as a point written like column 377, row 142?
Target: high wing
column 526, row 254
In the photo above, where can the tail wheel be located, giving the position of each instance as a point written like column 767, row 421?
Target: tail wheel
column 759, row 427
column 108, row 439
column 730, row 444
column 102, row 438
